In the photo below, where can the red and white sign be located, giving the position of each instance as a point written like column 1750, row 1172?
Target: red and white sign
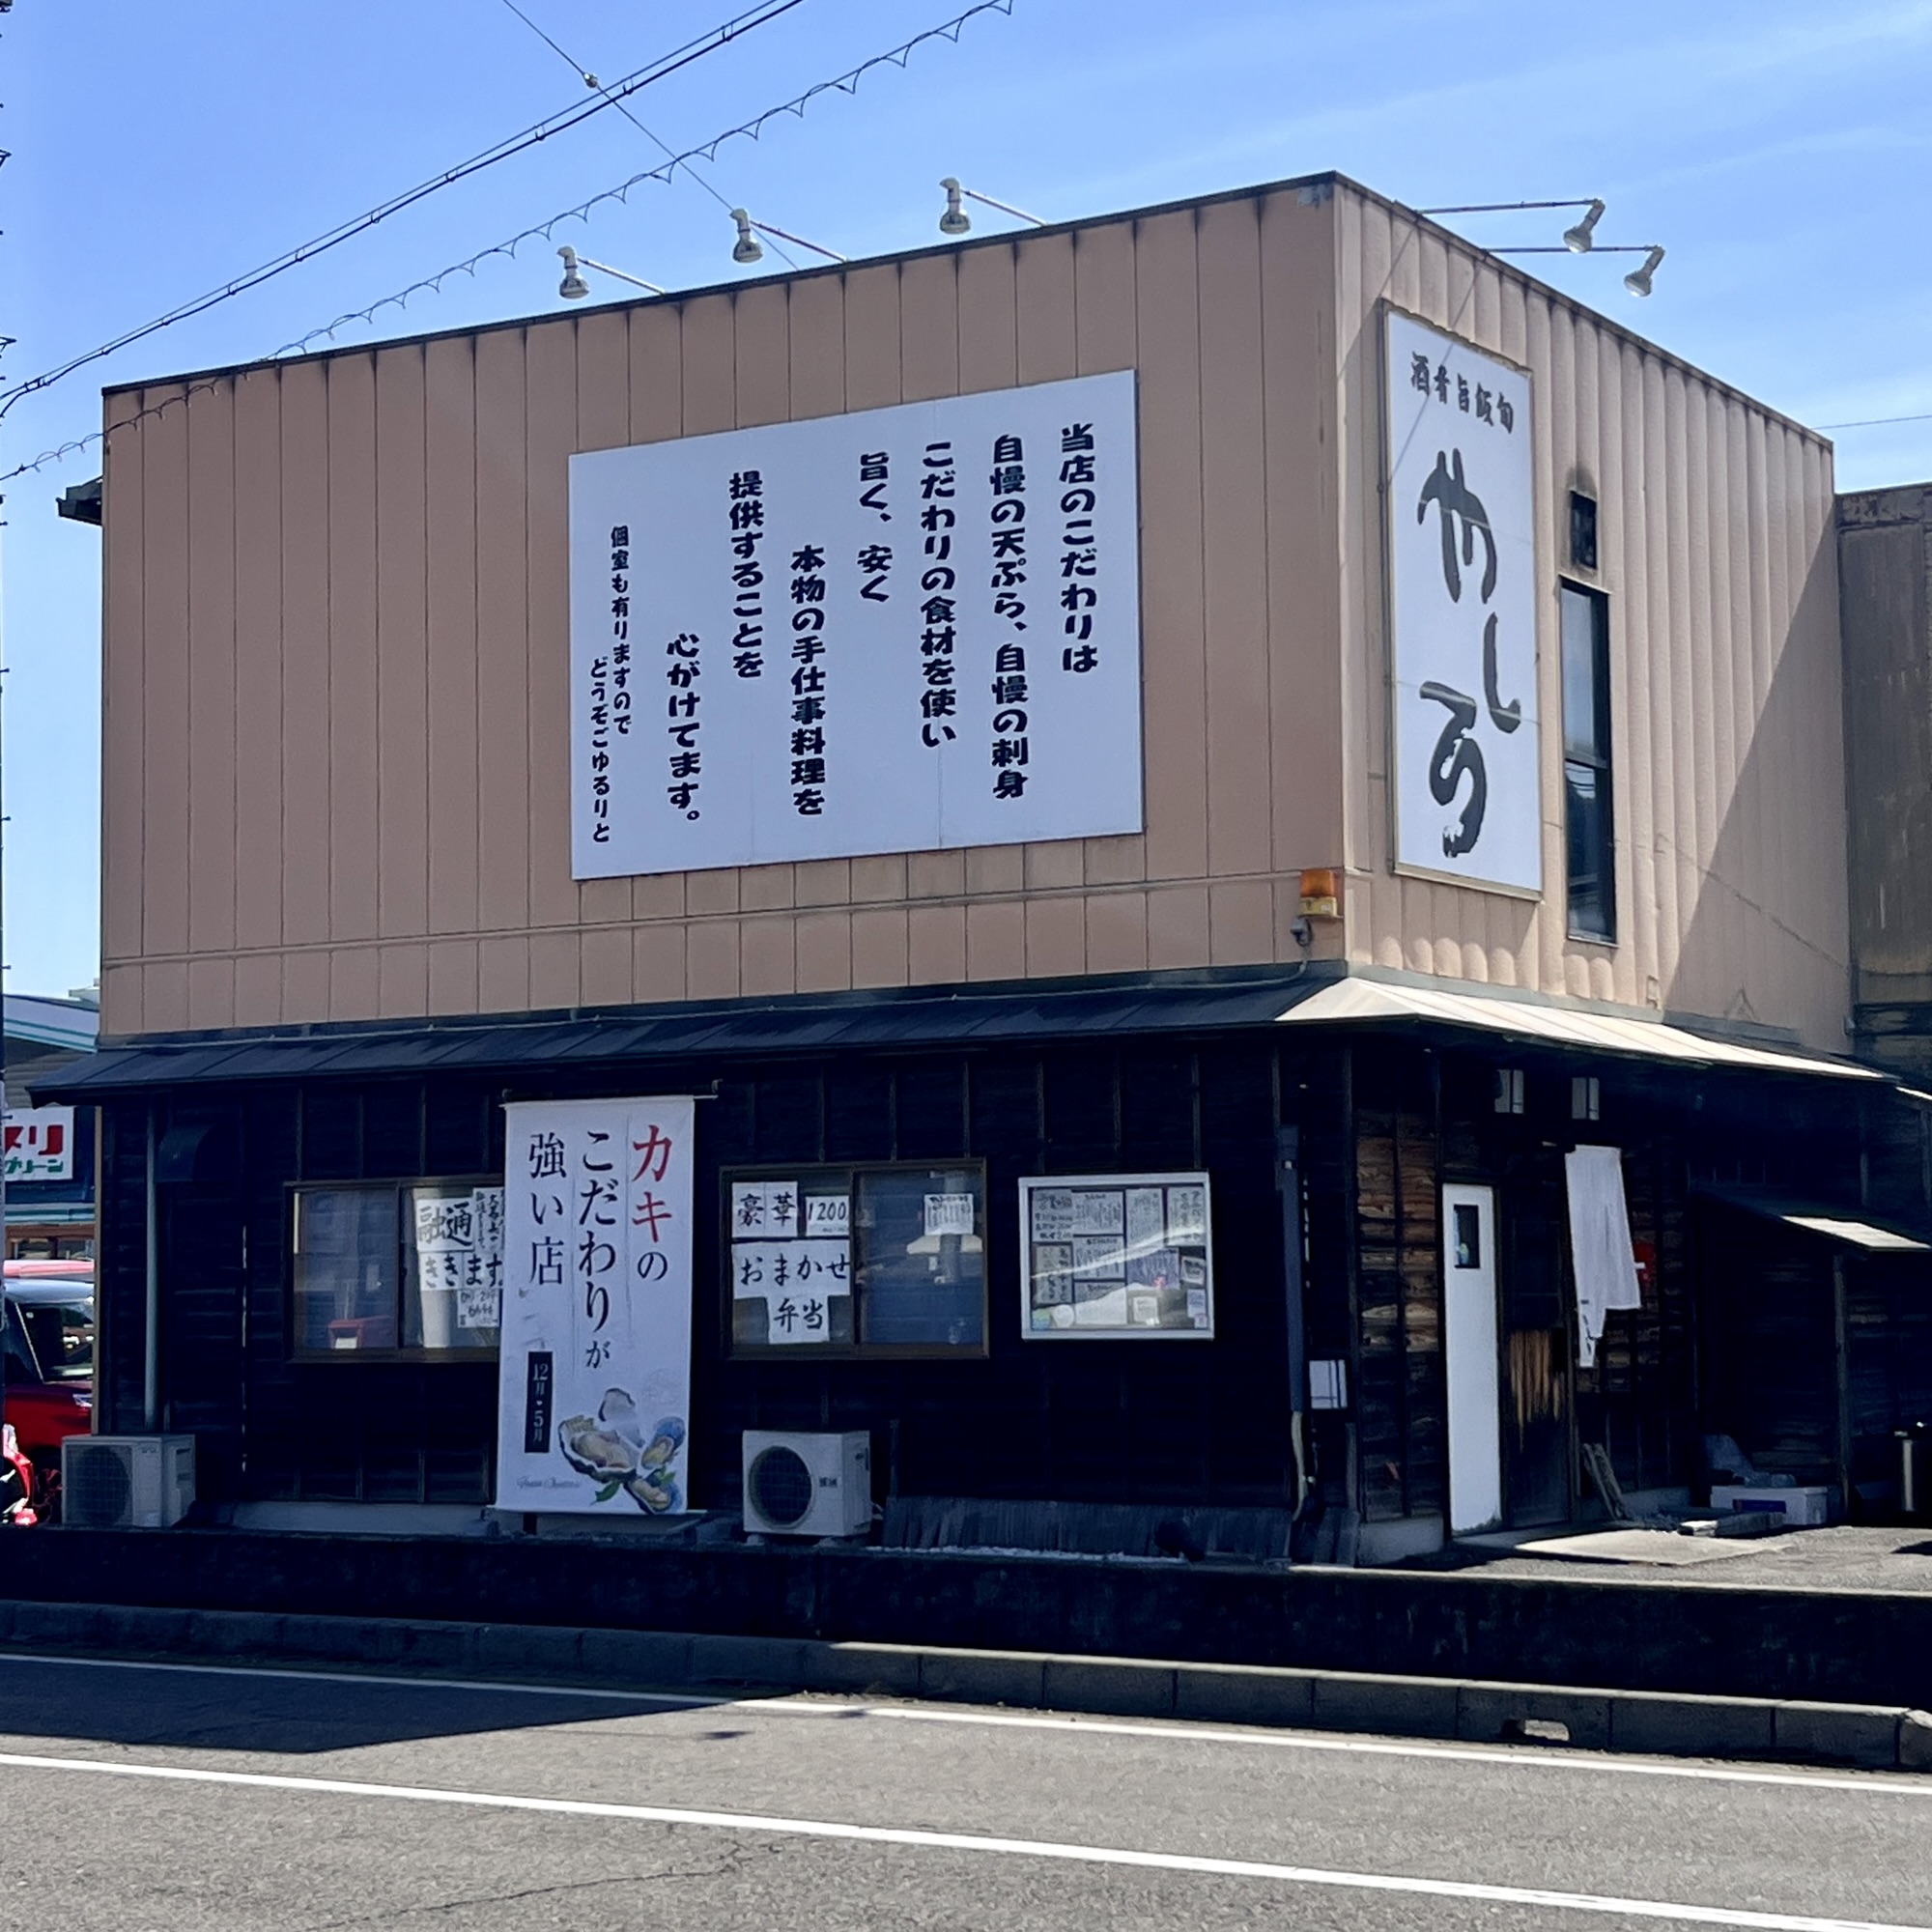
column 39, row 1143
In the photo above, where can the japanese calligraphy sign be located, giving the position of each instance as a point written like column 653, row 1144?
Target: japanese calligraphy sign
column 1463, row 595
column 595, row 1370
column 791, row 1257
column 890, row 631
column 39, row 1143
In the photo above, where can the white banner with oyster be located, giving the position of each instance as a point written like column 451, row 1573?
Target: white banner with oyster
column 594, row 1382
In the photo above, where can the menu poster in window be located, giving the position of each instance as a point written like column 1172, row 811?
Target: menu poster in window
column 1117, row 1255
column 597, row 1247
column 805, row 1288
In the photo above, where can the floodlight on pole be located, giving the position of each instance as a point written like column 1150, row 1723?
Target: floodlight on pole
column 956, row 221
column 573, row 288
column 1579, row 239
column 1638, row 281
column 749, row 249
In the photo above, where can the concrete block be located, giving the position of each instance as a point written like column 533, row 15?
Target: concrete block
column 1404, row 1707
column 67, row 1627
column 530, row 1650
column 332, row 1640
column 224, row 1634
column 1914, row 1740
column 1678, row 1724
column 1863, row 1734
column 1108, row 1687
column 649, row 1660
column 874, row 1669
column 762, row 1660
column 431, row 1646
column 1243, row 1694
column 1492, row 1713
column 983, row 1677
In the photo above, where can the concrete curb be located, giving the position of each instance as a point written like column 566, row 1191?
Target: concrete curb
column 1665, row 1724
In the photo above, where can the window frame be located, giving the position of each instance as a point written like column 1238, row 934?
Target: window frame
column 1600, row 762
column 802, row 1172
column 297, row 1351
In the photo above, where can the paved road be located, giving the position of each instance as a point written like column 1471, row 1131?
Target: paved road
column 147, row 1798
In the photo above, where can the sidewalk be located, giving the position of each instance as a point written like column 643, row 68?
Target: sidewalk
column 1846, row 1557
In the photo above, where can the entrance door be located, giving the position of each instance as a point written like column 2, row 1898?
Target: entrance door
column 1470, row 1358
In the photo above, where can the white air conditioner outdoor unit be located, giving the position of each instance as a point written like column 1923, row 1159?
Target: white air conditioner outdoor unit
column 799, row 1485
column 126, row 1482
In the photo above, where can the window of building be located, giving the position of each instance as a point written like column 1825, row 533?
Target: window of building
column 1588, row 813
column 1583, row 532
column 857, row 1261
column 410, row 1268
column 1509, row 1090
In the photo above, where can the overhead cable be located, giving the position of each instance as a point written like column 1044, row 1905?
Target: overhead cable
column 516, row 144
column 590, row 80
column 845, row 83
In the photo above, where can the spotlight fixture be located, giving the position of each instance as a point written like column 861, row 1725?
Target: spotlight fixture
column 573, row 288
column 749, row 249
column 956, row 221
column 1579, row 239
column 1638, row 281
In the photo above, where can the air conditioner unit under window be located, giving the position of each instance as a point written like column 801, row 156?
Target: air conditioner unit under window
column 126, row 1482
column 798, row 1485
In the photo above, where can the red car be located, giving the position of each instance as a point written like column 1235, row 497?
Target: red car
column 50, row 1353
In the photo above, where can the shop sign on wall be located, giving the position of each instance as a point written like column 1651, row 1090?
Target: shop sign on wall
column 39, row 1143
column 1466, row 780
column 1117, row 1254
column 594, row 1388
column 895, row 630
column 791, row 1248
column 459, row 1254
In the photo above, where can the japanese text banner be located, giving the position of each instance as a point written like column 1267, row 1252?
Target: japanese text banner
column 1460, row 506
column 594, row 1374
column 896, row 630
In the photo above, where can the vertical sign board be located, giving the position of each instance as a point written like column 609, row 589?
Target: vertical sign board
column 595, row 1370
column 1462, row 549
column 892, row 631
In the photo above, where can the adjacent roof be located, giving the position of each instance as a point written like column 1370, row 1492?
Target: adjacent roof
column 1360, row 1001
column 1830, row 1224
column 919, row 1017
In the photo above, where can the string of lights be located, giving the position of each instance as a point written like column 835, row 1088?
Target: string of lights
column 590, row 80
column 845, row 83
column 549, row 129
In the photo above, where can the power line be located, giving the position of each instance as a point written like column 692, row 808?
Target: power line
column 1876, row 422
column 542, row 131
column 845, row 83
column 590, row 80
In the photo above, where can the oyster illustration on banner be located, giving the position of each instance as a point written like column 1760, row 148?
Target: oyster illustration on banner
column 607, row 1447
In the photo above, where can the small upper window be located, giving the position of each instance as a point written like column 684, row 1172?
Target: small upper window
column 1590, row 819
column 1582, row 530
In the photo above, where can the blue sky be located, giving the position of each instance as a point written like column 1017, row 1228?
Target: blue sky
column 1779, row 151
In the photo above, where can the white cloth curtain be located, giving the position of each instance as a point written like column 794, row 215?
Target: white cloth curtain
column 1600, row 1254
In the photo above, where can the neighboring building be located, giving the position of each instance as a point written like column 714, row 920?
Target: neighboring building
column 1391, row 825
column 50, row 1151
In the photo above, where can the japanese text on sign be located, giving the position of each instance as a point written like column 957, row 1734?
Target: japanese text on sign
column 872, row 665
column 1124, row 1253
column 596, row 1305
column 1463, row 595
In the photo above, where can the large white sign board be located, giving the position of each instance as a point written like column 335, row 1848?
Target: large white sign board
column 594, row 1370
column 1463, row 589
column 893, row 631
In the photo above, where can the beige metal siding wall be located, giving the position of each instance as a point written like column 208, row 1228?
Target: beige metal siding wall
column 337, row 643
column 1716, row 547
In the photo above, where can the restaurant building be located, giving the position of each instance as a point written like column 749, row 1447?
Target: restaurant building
column 1218, row 833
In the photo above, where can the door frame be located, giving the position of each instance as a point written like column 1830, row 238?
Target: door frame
column 1473, row 1372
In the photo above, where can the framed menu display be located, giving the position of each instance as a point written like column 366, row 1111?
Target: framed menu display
column 1122, row 1255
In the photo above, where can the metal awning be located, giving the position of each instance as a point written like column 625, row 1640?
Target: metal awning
column 1831, row 1224
column 907, row 1020
column 1359, row 1001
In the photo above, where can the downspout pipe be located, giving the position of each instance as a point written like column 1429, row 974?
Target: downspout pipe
column 151, row 1326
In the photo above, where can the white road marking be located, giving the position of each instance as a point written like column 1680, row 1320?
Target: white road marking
column 963, row 1841
column 829, row 1705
